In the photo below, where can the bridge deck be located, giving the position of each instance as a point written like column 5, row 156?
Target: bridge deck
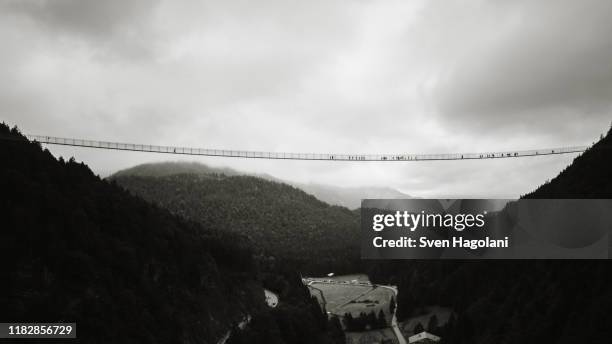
column 404, row 157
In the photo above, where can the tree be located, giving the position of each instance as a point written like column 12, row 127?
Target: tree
column 320, row 314
column 349, row 322
column 432, row 325
column 450, row 325
column 335, row 330
column 418, row 328
column 371, row 321
column 381, row 320
column 464, row 328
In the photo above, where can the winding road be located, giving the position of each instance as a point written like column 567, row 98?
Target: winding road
column 271, row 301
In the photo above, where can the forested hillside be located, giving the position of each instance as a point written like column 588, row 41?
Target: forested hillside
column 75, row 248
column 519, row 301
column 292, row 230
column 348, row 197
column 589, row 176
column 162, row 169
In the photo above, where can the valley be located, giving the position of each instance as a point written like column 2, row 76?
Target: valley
column 199, row 256
column 305, row 172
column 353, row 298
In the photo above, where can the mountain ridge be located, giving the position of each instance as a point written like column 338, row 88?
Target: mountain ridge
column 278, row 220
column 349, row 197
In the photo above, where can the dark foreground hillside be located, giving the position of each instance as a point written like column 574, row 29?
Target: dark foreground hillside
column 291, row 229
column 589, row 176
column 76, row 248
column 519, row 301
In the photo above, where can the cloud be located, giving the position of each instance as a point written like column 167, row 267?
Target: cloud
column 544, row 63
column 85, row 17
column 114, row 27
column 342, row 76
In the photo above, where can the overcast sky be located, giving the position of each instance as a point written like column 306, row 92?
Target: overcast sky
column 316, row 76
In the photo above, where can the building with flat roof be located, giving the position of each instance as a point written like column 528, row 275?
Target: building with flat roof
column 423, row 337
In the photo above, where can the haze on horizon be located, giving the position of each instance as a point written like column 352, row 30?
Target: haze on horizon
column 319, row 76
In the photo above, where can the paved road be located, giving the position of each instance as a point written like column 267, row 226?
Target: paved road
column 394, row 325
column 271, row 301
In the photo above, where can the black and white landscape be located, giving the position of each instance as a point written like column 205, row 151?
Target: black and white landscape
column 142, row 247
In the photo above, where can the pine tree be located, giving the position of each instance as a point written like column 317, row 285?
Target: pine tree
column 335, row 330
column 349, row 322
column 371, row 320
column 432, row 325
column 381, row 321
column 418, row 328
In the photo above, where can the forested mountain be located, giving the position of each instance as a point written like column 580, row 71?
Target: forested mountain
column 519, row 301
column 292, row 230
column 589, row 176
column 75, row 248
column 78, row 248
column 162, row 169
column 349, row 197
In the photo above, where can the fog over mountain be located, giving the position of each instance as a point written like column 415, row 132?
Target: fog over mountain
column 349, row 197
column 334, row 195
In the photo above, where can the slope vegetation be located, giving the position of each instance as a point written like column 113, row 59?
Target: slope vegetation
column 349, row 197
column 77, row 248
column 293, row 231
column 518, row 301
column 589, row 176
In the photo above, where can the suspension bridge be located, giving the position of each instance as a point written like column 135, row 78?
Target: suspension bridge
column 248, row 154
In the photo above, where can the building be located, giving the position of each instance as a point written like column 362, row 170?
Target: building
column 423, row 337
